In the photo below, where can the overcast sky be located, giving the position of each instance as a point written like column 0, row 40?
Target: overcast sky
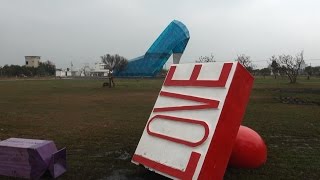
column 81, row 31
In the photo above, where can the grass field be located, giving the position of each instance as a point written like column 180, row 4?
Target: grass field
column 101, row 127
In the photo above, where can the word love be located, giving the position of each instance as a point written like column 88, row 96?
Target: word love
column 194, row 122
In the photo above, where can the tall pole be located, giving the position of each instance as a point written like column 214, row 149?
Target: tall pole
column 71, row 67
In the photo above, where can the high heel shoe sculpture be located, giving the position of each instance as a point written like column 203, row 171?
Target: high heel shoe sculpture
column 173, row 40
column 194, row 127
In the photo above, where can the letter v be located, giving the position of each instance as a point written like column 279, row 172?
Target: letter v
column 207, row 103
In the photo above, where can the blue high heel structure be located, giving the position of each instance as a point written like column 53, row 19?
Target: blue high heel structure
column 173, row 40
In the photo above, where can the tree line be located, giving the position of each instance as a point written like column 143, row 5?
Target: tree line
column 281, row 65
column 46, row 68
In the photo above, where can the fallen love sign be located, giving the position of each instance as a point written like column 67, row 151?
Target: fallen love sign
column 195, row 120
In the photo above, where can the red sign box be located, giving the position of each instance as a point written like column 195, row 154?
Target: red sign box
column 195, row 120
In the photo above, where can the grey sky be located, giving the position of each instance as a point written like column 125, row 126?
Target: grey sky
column 81, row 31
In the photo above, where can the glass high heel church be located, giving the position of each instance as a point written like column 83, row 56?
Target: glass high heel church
column 173, row 40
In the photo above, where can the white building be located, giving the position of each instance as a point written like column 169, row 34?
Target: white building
column 99, row 69
column 63, row 73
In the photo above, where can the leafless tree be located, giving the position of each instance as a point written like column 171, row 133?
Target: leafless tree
column 85, row 69
column 274, row 66
column 205, row 59
column 114, row 62
column 291, row 65
column 245, row 61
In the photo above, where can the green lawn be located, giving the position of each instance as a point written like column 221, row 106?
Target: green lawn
column 101, row 127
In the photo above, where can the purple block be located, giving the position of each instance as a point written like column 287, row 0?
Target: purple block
column 31, row 158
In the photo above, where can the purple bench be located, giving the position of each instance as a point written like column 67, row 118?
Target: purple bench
column 31, row 158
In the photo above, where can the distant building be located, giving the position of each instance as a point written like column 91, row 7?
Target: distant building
column 63, row 73
column 32, row 61
column 99, row 70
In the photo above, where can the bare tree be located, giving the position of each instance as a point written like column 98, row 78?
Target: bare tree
column 114, row 62
column 205, row 59
column 274, row 66
column 245, row 61
column 291, row 65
